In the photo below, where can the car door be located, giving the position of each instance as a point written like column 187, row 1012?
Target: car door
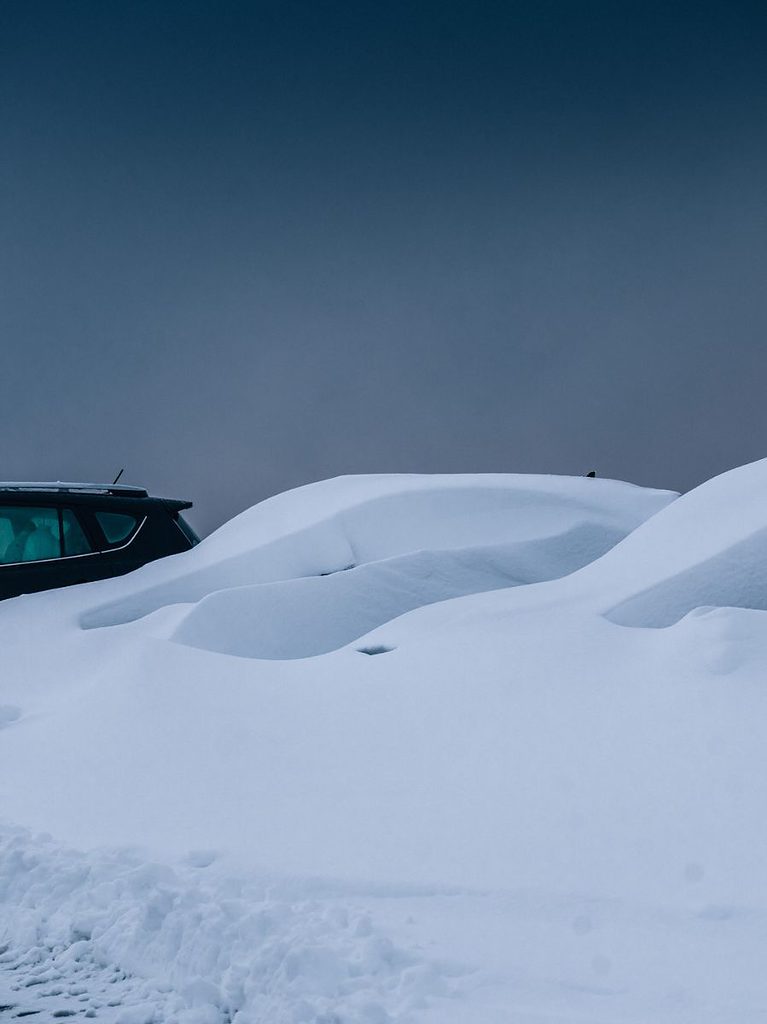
column 41, row 547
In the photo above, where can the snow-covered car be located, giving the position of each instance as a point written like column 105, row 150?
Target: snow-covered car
column 57, row 534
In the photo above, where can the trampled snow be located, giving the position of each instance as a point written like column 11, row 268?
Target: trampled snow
column 399, row 749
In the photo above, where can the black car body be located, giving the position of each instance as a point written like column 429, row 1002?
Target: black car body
column 57, row 534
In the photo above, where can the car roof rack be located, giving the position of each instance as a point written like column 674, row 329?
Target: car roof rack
column 61, row 487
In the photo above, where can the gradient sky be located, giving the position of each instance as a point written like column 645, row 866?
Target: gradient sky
column 248, row 245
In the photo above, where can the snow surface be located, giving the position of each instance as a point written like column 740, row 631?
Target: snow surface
column 399, row 749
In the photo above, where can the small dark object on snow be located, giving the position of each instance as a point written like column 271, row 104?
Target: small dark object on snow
column 591, row 474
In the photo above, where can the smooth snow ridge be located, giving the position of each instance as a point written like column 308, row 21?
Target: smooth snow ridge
column 310, row 571
column 708, row 549
column 313, row 615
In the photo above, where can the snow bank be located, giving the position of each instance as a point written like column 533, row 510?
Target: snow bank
column 339, row 524
column 207, row 947
column 518, row 808
column 708, row 549
column 313, row 615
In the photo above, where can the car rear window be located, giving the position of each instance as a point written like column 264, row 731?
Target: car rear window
column 117, row 526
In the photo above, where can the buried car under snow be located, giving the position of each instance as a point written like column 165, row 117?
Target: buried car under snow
column 57, row 534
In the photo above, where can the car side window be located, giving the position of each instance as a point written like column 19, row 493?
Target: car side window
column 29, row 534
column 73, row 537
column 117, row 526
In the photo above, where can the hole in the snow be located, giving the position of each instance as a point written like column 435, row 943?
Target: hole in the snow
column 27, row 1013
column 9, row 714
column 65, row 1013
column 375, row 649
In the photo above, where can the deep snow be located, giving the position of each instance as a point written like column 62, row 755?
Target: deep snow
column 540, row 796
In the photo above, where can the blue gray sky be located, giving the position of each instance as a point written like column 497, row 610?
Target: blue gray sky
column 248, row 245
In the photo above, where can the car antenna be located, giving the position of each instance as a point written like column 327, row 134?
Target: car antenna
column 118, row 476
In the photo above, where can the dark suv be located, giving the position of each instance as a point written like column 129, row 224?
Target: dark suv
column 55, row 534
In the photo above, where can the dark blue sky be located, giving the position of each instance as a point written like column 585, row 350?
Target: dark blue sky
column 248, row 245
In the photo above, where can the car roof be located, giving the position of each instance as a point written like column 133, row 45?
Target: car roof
column 81, row 493
column 60, row 486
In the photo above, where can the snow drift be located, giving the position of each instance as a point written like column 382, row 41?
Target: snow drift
column 710, row 549
column 341, row 524
column 520, row 809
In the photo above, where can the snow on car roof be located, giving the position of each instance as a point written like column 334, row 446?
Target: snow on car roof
column 125, row 490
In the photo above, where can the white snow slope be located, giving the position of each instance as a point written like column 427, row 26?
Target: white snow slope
column 424, row 750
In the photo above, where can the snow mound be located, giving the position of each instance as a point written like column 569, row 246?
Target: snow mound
column 194, row 948
column 439, row 783
column 343, row 524
column 707, row 549
column 314, row 615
